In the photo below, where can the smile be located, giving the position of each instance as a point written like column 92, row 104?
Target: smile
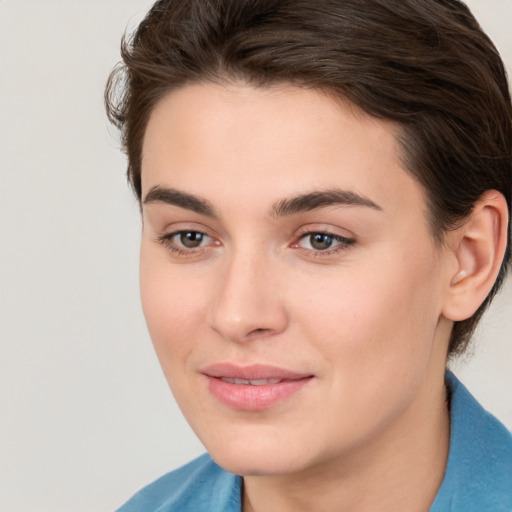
column 255, row 382
column 253, row 388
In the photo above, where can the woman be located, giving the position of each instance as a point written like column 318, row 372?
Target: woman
column 325, row 190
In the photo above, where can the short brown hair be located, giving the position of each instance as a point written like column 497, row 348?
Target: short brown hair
column 424, row 64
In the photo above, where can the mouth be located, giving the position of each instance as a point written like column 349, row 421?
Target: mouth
column 254, row 382
column 255, row 387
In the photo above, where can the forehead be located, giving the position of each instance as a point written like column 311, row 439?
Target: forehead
column 265, row 143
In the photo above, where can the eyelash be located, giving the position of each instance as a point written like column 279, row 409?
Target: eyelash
column 167, row 242
column 344, row 243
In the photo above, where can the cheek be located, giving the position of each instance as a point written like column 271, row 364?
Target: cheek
column 372, row 315
column 171, row 307
column 374, row 337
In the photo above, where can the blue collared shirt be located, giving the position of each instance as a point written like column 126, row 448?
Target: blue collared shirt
column 478, row 475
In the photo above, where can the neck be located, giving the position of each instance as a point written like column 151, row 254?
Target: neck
column 402, row 470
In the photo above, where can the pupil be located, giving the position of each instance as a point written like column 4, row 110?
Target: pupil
column 191, row 239
column 320, row 241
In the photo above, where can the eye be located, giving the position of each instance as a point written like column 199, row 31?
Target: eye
column 186, row 240
column 190, row 239
column 323, row 242
column 320, row 241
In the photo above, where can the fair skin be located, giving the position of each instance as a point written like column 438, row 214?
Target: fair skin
column 352, row 294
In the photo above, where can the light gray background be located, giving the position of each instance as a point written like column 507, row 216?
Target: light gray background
column 85, row 415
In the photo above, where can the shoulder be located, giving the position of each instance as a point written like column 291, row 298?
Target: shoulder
column 479, row 470
column 199, row 486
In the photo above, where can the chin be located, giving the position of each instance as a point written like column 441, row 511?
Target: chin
column 258, row 457
column 257, row 465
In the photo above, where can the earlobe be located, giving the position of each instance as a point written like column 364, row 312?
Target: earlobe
column 479, row 247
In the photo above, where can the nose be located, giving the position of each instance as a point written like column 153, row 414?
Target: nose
column 248, row 303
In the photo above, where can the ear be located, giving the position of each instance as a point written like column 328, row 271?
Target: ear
column 479, row 247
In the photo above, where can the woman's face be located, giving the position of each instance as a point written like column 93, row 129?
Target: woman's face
column 290, row 283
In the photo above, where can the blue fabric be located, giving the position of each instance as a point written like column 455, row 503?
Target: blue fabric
column 199, row 486
column 478, row 475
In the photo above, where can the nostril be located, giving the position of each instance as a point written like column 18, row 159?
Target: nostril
column 258, row 331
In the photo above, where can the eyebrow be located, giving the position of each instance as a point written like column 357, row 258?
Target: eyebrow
column 290, row 206
column 174, row 197
column 321, row 199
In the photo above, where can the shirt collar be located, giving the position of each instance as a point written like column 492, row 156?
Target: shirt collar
column 478, row 474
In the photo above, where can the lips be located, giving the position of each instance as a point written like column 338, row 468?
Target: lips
column 255, row 387
column 253, row 382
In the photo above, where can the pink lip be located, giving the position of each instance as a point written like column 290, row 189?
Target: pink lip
column 249, row 397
